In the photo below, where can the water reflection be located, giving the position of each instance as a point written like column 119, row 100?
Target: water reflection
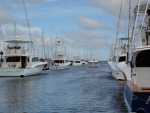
column 76, row 90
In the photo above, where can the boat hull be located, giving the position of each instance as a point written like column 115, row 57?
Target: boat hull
column 59, row 67
column 93, row 64
column 115, row 72
column 76, row 64
column 137, row 100
column 20, row 72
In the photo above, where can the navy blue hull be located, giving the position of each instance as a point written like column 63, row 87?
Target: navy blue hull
column 137, row 100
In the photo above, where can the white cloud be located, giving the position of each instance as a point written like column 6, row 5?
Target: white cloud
column 90, row 23
column 84, row 39
column 113, row 6
column 6, row 17
column 21, row 32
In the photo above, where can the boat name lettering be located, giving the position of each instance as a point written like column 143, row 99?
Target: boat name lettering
column 9, row 71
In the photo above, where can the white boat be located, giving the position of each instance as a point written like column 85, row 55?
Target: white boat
column 84, row 62
column 76, row 61
column 93, row 62
column 19, row 60
column 117, row 57
column 137, row 66
column 59, row 59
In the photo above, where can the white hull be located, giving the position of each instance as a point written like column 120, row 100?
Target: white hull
column 60, row 66
column 18, row 72
column 84, row 63
column 93, row 64
column 115, row 72
column 76, row 64
column 125, row 69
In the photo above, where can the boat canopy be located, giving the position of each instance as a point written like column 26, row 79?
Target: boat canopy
column 142, row 8
column 16, row 40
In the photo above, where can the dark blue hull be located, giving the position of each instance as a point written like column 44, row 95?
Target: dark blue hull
column 137, row 100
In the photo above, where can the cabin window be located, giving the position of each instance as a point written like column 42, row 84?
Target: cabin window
column 59, row 61
column 77, row 61
column 13, row 59
column 35, row 59
column 143, row 59
column 121, row 59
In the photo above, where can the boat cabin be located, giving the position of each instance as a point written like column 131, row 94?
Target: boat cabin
column 18, row 54
column 141, row 69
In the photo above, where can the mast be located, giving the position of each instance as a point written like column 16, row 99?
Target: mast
column 1, row 35
column 42, row 45
column 2, row 32
column 15, row 30
column 51, row 46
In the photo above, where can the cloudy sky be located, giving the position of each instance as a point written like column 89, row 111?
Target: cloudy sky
column 85, row 25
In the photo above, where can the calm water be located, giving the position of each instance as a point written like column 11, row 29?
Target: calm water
column 75, row 90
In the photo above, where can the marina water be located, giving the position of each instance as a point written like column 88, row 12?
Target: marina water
column 75, row 90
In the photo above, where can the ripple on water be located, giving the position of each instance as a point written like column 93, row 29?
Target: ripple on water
column 75, row 90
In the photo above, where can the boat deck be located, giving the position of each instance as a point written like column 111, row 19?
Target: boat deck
column 135, row 88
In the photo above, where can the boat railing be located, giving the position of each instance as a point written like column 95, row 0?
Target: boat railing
column 59, row 53
column 14, row 50
column 10, row 65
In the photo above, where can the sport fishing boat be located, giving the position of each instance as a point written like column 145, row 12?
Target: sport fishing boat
column 19, row 59
column 118, row 56
column 59, row 59
column 93, row 62
column 76, row 61
column 137, row 66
